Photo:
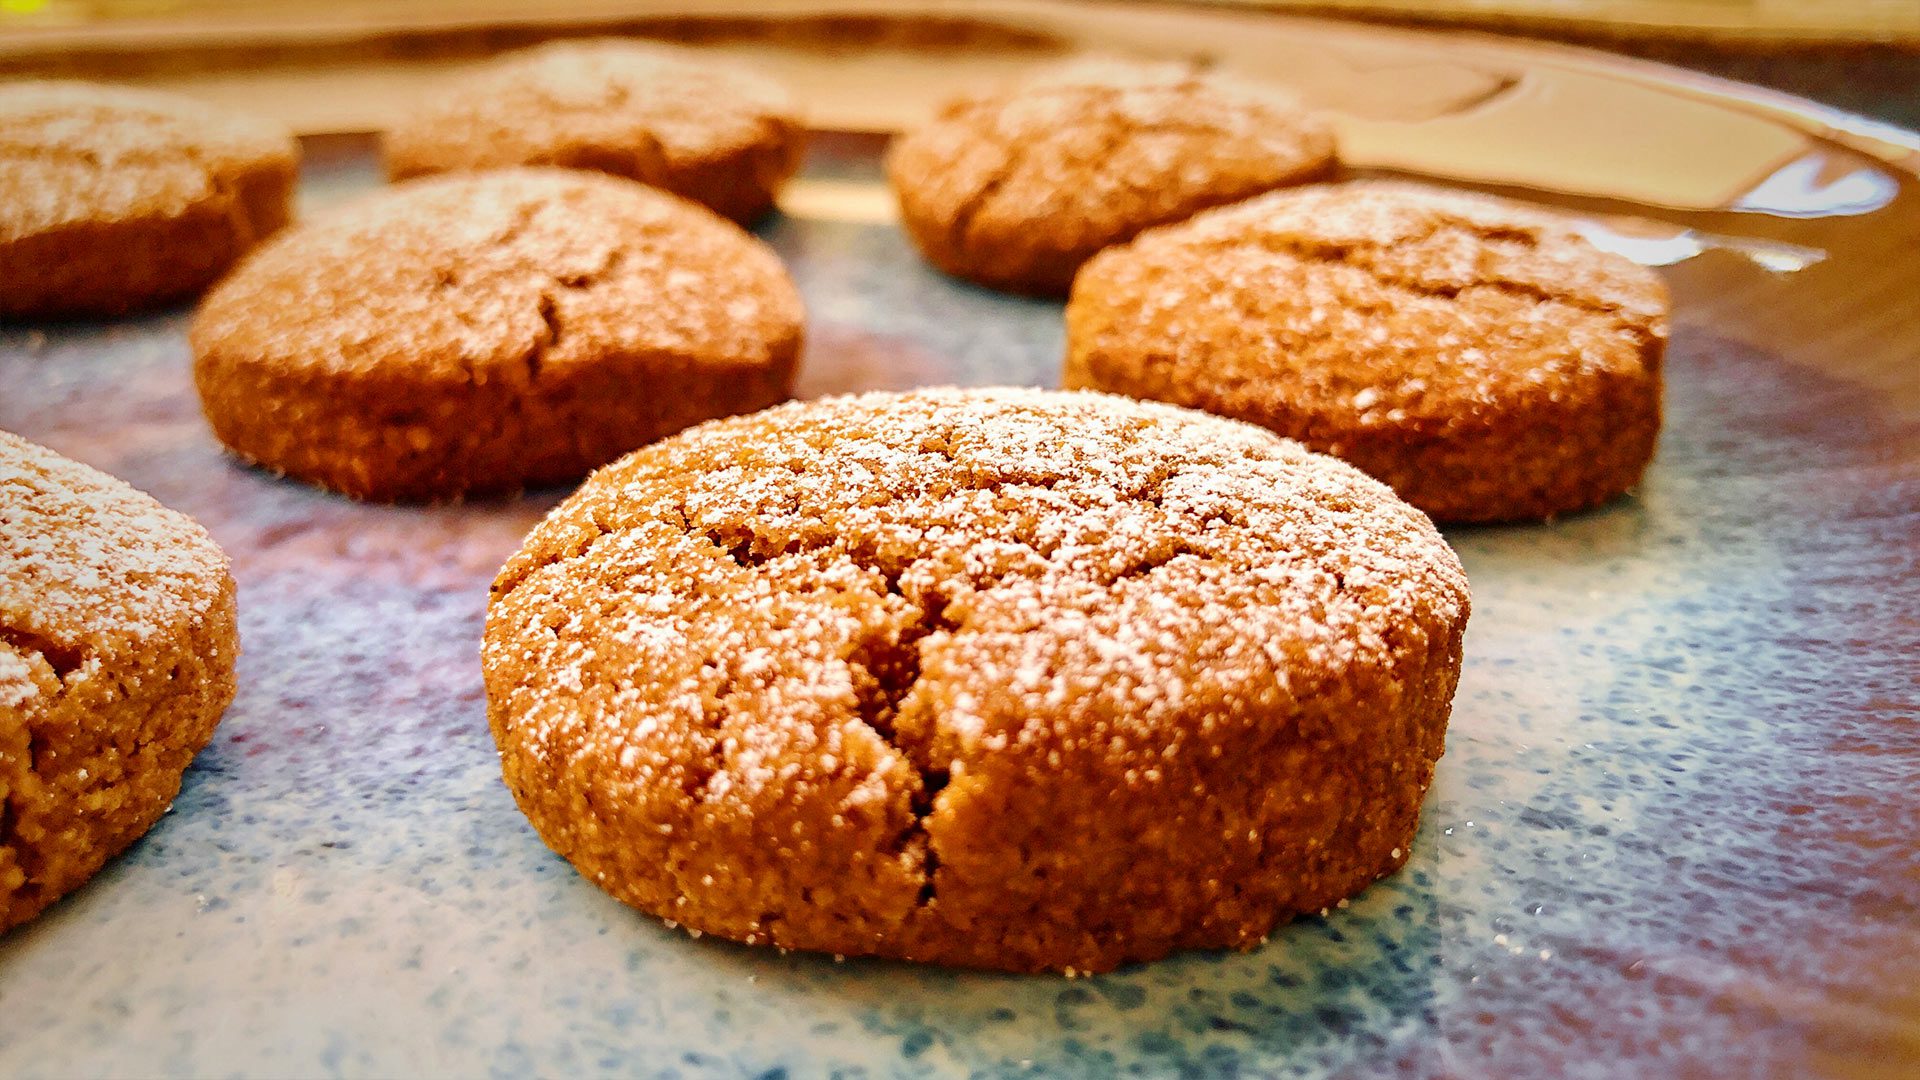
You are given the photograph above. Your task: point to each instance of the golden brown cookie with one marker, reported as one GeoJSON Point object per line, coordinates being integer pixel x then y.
{"type": "Point", "coordinates": [715, 134]}
{"type": "Point", "coordinates": [486, 332]}
{"type": "Point", "coordinates": [1482, 358]}
{"type": "Point", "coordinates": [114, 199]}
{"type": "Point", "coordinates": [1016, 187]}
{"type": "Point", "coordinates": [1010, 678]}
{"type": "Point", "coordinates": [117, 645]}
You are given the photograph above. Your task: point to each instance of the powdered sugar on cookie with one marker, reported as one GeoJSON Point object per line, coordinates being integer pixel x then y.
{"type": "Point", "coordinates": [865, 616]}
{"type": "Point", "coordinates": [89, 566]}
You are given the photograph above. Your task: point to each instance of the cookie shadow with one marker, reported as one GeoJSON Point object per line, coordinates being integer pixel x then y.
{"type": "Point", "coordinates": [1354, 987]}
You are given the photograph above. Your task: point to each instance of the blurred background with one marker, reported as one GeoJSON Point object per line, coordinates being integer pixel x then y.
{"type": "Point", "coordinates": [1859, 55]}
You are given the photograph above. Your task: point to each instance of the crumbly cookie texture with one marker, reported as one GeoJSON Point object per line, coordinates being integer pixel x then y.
{"type": "Point", "coordinates": [1009, 679]}
{"type": "Point", "coordinates": [1015, 187]}
{"type": "Point", "coordinates": [1483, 359]}
{"type": "Point", "coordinates": [719, 135]}
{"type": "Point", "coordinates": [117, 649]}
{"type": "Point", "coordinates": [484, 332]}
{"type": "Point", "coordinates": [115, 200]}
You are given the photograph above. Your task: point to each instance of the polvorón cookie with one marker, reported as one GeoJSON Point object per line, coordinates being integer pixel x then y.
{"type": "Point", "coordinates": [117, 649]}
{"type": "Point", "coordinates": [489, 331]}
{"type": "Point", "coordinates": [1480, 357]}
{"type": "Point", "coordinates": [1010, 679]}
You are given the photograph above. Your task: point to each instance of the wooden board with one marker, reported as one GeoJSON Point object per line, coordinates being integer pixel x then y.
{"type": "Point", "coordinates": [1727, 22]}
{"type": "Point", "coordinates": [1481, 108]}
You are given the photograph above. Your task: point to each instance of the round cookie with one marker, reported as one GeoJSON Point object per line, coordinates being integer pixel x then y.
{"type": "Point", "coordinates": [723, 137]}
{"type": "Point", "coordinates": [1010, 679]}
{"type": "Point", "coordinates": [1482, 358]}
{"type": "Point", "coordinates": [1016, 187]}
{"type": "Point", "coordinates": [117, 646]}
{"type": "Point", "coordinates": [491, 331]}
{"type": "Point", "coordinates": [115, 200]}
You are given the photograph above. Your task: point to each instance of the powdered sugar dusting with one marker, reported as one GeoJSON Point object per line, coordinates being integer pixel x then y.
{"type": "Point", "coordinates": [497, 276]}
{"type": "Point", "coordinates": [857, 590]}
{"type": "Point", "coordinates": [1362, 299]}
{"type": "Point", "coordinates": [17, 684]}
{"type": "Point", "coordinates": [72, 152]}
{"type": "Point", "coordinates": [1048, 170]}
{"type": "Point", "coordinates": [1437, 241]}
{"type": "Point", "coordinates": [1378, 303]}
{"type": "Point", "coordinates": [89, 568]}
{"type": "Point", "coordinates": [1478, 355]}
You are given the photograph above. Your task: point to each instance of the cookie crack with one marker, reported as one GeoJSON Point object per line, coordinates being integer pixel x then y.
{"type": "Point", "coordinates": [13, 807]}
{"type": "Point", "coordinates": [548, 307]}
{"type": "Point", "coordinates": [885, 661]}
{"type": "Point", "coordinates": [1363, 257]}
{"type": "Point", "coordinates": [518, 224]}
{"type": "Point", "coordinates": [891, 664]}
{"type": "Point", "coordinates": [226, 191]}
{"type": "Point", "coordinates": [8, 813]}
{"type": "Point", "coordinates": [745, 548]}
{"type": "Point", "coordinates": [63, 659]}
{"type": "Point", "coordinates": [1181, 92]}
{"type": "Point", "coordinates": [548, 337]}
{"type": "Point", "coordinates": [1119, 128]}
{"type": "Point", "coordinates": [886, 668]}
{"type": "Point", "coordinates": [1019, 155]}
{"type": "Point", "coordinates": [1149, 562]}
{"type": "Point", "coordinates": [960, 230]}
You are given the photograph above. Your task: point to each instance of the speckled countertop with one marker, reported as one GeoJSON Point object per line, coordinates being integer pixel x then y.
{"type": "Point", "coordinates": [1674, 831]}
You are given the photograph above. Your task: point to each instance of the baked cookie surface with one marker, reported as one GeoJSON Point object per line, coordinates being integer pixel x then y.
{"type": "Point", "coordinates": [1482, 358]}
{"type": "Point", "coordinates": [709, 132]}
{"type": "Point", "coordinates": [485, 332]}
{"type": "Point", "coordinates": [1015, 187]}
{"type": "Point", "coordinates": [115, 199]}
{"type": "Point", "coordinates": [117, 649]}
{"type": "Point", "coordinates": [1007, 679]}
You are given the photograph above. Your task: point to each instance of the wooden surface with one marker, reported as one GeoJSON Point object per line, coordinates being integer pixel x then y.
{"type": "Point", "coordinates": [1484, 109]}
{"type": "Point", "coordinates": [1757, 23]}
{"type": "Point", "coordinates": [1754, 22]}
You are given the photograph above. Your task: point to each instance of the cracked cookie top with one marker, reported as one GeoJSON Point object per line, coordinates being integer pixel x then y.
{"type": "Point", "coordinates": [664, 116]}
{"type": "Point", "coordinates": [1040, 174]}
{"type": "Point", "coordinates": [501, 276]}
{"type": "Point", "coordinates": [73, 153]}
{"type": "Point", "coordinates": [1372, 304]}
{"type": "Point", "coordinates": [92, 572]}
{"type": "Point", "coordinates": [793, 661]}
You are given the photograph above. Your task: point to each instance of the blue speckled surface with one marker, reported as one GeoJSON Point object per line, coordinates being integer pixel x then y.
{"type": "Point", "coordinates": [1674, 832]}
